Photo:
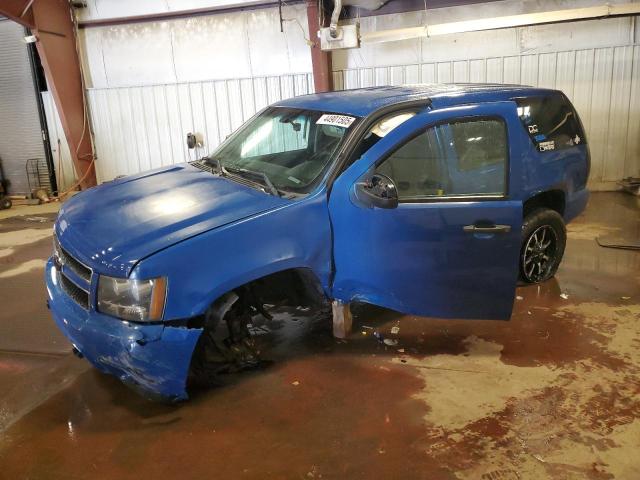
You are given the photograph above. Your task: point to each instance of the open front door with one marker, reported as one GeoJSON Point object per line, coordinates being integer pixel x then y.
{"type": "Point", "coordinates": [450, 246]}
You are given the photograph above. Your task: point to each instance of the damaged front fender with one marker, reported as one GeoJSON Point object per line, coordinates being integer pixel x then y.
{"type": "Point", "coordinates": [152, 358]}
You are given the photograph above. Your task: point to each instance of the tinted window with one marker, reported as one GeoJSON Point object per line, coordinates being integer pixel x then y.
{"type": "Point", "coordinates": [479, 144]}
{"type": "Point", "coordinates": [551, 122]}
{"type": "Point", "coordinates": [460, 158]}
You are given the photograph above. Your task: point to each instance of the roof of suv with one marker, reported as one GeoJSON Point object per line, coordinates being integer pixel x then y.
{"type": "Point", "coordinates": [363, 101]}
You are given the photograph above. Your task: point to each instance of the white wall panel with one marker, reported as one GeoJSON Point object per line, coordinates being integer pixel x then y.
{"type": "Point", "coordinates": [603, 84]}
{"type": "Point", "coordinates": [595, 62]}
{"type": "Point", "coordinates": [144, 127]}
{"type": "Point", "coordinates": [631, 163]}
{"type": "Point", "coordinates": [210, 47]}
{"type": "Point", "coordinates": [615, 147]}
{"type": "Point", "coordinates": [101, 9]}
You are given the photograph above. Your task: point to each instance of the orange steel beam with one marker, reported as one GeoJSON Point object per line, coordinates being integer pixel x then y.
{"type": "Point", "coordinates": [320, 61]}
{"type": "Point", "coordinates": [18, 11]}
{"type": "Point", "coordinates": [52, 23]}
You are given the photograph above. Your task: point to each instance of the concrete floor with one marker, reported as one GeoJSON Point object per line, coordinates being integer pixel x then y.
{"type": "Point", "coordinates": [552, 394]}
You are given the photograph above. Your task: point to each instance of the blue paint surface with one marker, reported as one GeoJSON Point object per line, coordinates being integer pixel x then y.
{"type": "Point", "coordinates": [152, 358]}
{"type": "Point", "coordinates": [209, 235]}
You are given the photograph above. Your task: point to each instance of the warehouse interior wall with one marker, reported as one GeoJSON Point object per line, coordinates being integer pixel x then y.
{"type": "Point", "coordinates": [595, 62]}
{"type": "Point", "coordinates": [151, 83]}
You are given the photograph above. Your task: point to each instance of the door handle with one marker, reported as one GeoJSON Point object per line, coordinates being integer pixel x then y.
{"type": "Point", "coordinates": [487, 229]}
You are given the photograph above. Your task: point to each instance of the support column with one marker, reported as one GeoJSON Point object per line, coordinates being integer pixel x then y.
{"type": "Point", "coordinates": [51, 22]}
{"type": "Point", "coordinates": [321, 61]}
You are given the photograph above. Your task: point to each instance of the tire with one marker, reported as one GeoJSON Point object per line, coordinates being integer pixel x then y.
{"type": "Point", "coordinates": [544, 238]}
{"type": "Point", "coordinates": [5, 203]}
{"type": "Point", "coordinates": [225, 346]}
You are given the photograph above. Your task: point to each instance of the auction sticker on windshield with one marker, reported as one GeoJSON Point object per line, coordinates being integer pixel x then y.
{"type": "Point", "coordinates": [335, 120]}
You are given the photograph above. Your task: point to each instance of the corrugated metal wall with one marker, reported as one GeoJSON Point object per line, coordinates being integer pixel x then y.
{"type": "Point", "coordinates": [153, 82]}
{"type": "Point", "coordinates": [139, 128]}
{"type": "Point", "coordinates": [595, 62]}
{"type": "Point", "coordinates": [20, 133]}
{"type": "Point", "coordinates": [603, 84]}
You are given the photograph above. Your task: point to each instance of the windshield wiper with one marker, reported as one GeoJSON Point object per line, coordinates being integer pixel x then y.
{"type": "Point", "coordinates": [260, 176]}
{"type": "Point", "coordinates": [214, 162]}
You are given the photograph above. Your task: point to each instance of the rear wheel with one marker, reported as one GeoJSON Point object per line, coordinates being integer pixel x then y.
{"type": "Point", "coordinates": [543, 241]}
{"type": "Point", "coordinates": [225, 346]}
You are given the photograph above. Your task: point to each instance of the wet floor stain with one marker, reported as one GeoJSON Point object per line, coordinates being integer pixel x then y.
{"type": "Point", "coordinates": [552, 394]}
{"type": "Point", "coordinates": [26, 267]}
{"type": "Point", "coordinates": [25, 324]}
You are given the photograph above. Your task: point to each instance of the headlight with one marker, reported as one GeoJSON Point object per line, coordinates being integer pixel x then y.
{"type": "Point", "coordinates": [130, 299]}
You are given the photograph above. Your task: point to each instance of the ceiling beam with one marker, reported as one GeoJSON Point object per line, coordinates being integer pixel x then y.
{"type": "Point", "coordinates": [18, 11]}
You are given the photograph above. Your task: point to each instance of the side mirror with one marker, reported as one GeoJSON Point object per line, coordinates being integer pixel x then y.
{"type": "Point", "coordinates": [378, 191]}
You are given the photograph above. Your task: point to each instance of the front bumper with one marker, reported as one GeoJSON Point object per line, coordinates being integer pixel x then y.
{"type": "Point", "coordinates": [153, 359]}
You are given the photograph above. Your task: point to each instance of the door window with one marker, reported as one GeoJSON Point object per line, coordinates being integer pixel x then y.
{"type": "Point", "coordinates": [465, 157]}
{"type": "Point", "coordinates": [551, 122]}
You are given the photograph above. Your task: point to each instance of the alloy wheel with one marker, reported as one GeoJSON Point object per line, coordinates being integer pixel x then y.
{"type": "Point", "coordinates": [539, 254]}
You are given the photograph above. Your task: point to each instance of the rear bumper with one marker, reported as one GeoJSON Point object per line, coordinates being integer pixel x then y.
{"type": "Point", "coordinates": [153, 359]}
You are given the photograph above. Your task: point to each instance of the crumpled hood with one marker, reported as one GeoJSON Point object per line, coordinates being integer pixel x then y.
{"type": "Point", "coordinates": [113, 226]}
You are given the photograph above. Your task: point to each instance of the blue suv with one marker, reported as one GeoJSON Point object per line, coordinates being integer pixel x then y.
{"type": "Point", "coordinates": [432, 200]}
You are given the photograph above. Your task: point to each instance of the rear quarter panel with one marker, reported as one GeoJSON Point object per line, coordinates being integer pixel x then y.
{"type": "Point", "coordinates": [566, 170]}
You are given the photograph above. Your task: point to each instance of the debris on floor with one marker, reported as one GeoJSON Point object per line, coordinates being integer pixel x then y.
{"type": "Point", "coordinates": [623, 243]}
{"type": "Point", "coordinates": [631, 185]}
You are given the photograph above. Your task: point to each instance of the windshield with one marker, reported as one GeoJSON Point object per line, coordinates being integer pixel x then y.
{"type": "Point", "coordinates": [286, 147]}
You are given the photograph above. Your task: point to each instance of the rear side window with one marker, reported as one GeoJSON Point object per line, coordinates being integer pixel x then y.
{"type": "Point", "coordinates": [479, 143]}
{"type": "Point", "coordinates": [551, 122]}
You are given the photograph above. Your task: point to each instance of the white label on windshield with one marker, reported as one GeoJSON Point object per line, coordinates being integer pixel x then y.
{"type": "Point", "coordinates": [335, 120]}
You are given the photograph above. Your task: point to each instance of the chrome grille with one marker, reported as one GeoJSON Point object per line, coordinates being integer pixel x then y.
{"type": "Point", "coordinates": [65, 259]}
{"type": "Point", "coordinates": [77, 294]}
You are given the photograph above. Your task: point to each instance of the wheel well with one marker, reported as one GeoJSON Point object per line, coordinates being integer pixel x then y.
{"type": "Point", "coordinates": [292, 287]}
{"type": "Point", "coordinates": [552, 199]}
